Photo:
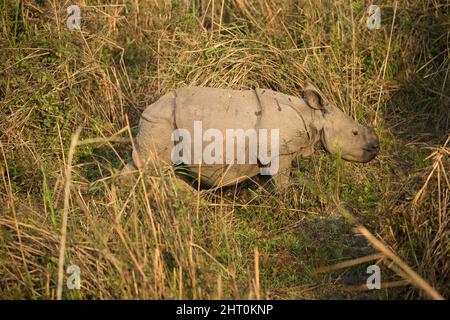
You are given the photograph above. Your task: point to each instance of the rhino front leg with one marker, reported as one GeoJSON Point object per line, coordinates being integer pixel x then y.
{"type": "Point", "coordinates": [281, 178]}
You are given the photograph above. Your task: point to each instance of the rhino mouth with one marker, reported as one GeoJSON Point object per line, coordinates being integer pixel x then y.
{"type": "Point", "coordinates": [366, 155]}
{"type": "Point", "coordinates": [372, 150]}
{"type": "Point", "coordinates": [370, 153]}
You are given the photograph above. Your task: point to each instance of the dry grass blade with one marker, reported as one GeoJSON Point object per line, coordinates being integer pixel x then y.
{"type": "Point", "coordinates": [212, 258]}
{"type": "Point", "coordinates": [256, 282]}
{"type": "Point", "coordinates": [384, 285]}
{"type": "Point", "coordinates": [414, 278]}
{"type": "Point", "coordinates": [385, 63]}
{"type": "Point", "coordinates": [350, 263]}
{"type": "Point", "coordinates": [62, 245]}
{"type": "Point", "coordinates": [438, 155]}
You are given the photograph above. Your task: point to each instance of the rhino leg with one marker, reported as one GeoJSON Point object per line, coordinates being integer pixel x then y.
{"type": "Point", "coordinates": [281, 178]}
{"type": "Point", "coordinates": [155, 130]}
{"type": "Point", "coordinates": [153, 138]}
{"type": "Point", "coordinates": [128, 173]}
{"type": "Point", "coordinates": [153, 143]}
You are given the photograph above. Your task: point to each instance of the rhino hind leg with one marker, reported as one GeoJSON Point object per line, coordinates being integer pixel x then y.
{"type": "Point", "coordinates": [154, 137]}
{"type": "Point", "coordinates": [128, 173]}
{"type": "Point", "coordinates": [153, 144]}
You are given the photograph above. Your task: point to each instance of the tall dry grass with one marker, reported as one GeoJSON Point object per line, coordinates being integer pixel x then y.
{"type": "Point", "coordinates": [157, 239]}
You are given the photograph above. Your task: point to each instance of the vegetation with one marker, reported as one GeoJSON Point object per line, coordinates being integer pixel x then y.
{"type": "Point", "coordinates": [159, 239]}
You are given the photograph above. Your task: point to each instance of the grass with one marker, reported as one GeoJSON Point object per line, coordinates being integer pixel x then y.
{"type": "Point", "coordinates": [158, 239]}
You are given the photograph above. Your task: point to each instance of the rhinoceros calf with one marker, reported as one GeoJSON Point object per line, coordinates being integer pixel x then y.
{"type": "Point", "coordinates": [181, 125]}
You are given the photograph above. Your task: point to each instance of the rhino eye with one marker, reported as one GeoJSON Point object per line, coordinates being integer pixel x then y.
{"type": "Point", "coordinates": [355, 132]}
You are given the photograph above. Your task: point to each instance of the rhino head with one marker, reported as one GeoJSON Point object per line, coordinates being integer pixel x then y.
{"type": "Point", "coordinates": [340, 134]}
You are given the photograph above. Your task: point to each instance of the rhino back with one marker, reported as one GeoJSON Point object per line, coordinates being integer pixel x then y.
{"type": "Point", "coordinates": [216, 108]}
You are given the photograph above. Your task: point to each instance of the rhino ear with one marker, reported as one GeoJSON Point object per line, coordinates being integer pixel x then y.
{"type": "Point", "coordinates": [313, 97]}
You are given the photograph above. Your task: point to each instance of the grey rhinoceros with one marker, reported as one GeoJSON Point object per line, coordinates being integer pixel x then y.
{"type": "Point", "coordinates": [201, 127]}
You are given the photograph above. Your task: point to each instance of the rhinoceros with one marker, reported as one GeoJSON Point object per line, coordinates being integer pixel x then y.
{"type": "Point", "coordinates": [200, 127]}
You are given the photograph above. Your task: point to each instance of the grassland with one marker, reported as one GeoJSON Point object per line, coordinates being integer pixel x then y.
{"type": "Point", "coordinates": [158, 239]}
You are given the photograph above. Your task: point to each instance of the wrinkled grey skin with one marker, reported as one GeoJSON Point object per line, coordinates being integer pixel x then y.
{"type": "Point", "coordinates": [302, 122]}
